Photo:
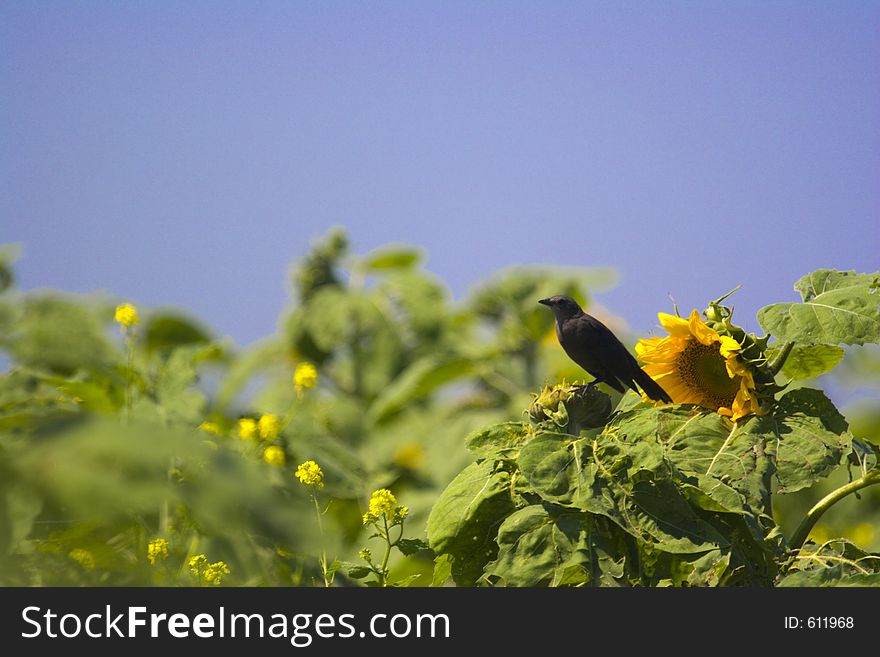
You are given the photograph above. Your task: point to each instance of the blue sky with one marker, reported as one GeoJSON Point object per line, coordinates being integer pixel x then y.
{"type": "Point", "coordinates": [184, 153]}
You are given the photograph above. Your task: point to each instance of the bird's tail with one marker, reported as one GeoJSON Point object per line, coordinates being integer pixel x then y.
{"type": "Point", "coordinates": [651, 387]}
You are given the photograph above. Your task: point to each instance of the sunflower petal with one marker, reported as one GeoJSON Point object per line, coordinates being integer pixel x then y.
{"type": "Point", "coordinates": [675, 325]}
{"type": "Point", "coordinates": [700, 331]}
{"type": "Point", "coordinates": [729, 346]}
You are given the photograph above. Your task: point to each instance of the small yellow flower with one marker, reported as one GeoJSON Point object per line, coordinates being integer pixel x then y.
{"type": "Point", "coordinates": [305, 377]}
{"type": "Point", "coordinates": [197, 564]}
{"type": "Point", "coordinates": [365, 554]}
{"type": "Point", "coordinates": [248, 429]}
{"type": "Point", "coordinates": [382, 502]}
{"type": "Point", "coordinates": [269, 426]}
{"type": "Point", "coordinates": [310, 474]}
{"type": "Point", "coordinates": [215, 572]}
{"type": "Point", "coordinates": [210, 573]}
{"type": "Point", "coordinates": [157, 550]}
{"type": "Point", "coordinates": [83, 557]}
{"type": "Point", "coordinates": [210, 427]}
{"type": "Point", "coordinates": [126, 315]}
{"type": "Point", "coordinates": [273, 455]}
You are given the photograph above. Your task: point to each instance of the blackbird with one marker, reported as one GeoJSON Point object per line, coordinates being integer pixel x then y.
{"type": "Point", "coordinates": [592, 345]}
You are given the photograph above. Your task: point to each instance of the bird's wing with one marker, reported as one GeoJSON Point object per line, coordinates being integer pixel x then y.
{"type": "Point", "coordinates": [612, 353]}
{"type": "Point", "coordinates": [585, 344]}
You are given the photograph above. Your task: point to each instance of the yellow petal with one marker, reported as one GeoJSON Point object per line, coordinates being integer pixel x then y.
{"type": "Point", "coordinates": [745, 404]}
{"type": "Point", "coordinates": [729, 346]}
{"type": "Point", "coordinates": [675, 325]}
{"type": "Point", "coordinates": [734, 367]}
{"type": "Point", "coordinates": [647, 345]}
{"type": "Point", "coordinates": [700, 331]}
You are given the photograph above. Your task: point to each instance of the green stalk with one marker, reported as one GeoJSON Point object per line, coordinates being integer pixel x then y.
{"type": "Point", "coordinates": [776, 364]}
{"type": "Point", "coordinates": [384, 569]}
{"type": "Point", "coordinates": [800, 535]}
{"type": "Point", "coordinates": [324, 574]}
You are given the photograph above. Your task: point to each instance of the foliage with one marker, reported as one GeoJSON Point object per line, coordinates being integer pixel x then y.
{"type": "Point", "coordinates": [145, 451]}
{"type": "Point", "coordinates": [673, 495]}
{"type": "Point", "coordinates": [114, 436]}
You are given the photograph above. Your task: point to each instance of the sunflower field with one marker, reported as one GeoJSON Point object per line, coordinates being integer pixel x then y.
{"type": "Point", "coordinates": [387, 435]}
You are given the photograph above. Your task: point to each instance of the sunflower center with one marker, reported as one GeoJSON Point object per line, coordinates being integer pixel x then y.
{"type": "Point", "coordinates": [702, 369]}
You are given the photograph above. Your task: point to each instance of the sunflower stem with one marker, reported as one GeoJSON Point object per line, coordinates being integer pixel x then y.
{"type": "Point", "coordinates": [779, 360]}
{"type": "Point", "coordinates": [803, 531]}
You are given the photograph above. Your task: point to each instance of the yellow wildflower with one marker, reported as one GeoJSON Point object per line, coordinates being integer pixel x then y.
{"type": "Point", "coordinates": [157, 549]}
{"type": "Point", "coordinates": [215, 572]}
{"type": "Point", "coordinates": [197, 564]}
{"type": "Point", "coordinates": [248, 429]}
{"type": "Point", "coordinates": [209, 573]}
{"type": "Point", "coordinates": [696, 365]}
{"type": "Point", "coordinates": [126, 315]}
{"type": "Point", "coordinates": [382, 503]}
{"type": "Point", "coordinates": [269, 426]}
{"type": "Point", "coordinates": [210, 427]}
{"type": "Point", "coordinates": [83, 557]}
{"type": "Point", "coordinates": [273, 455]}
{"type": "Point", "coordinates": [305, 377]}
{"type": "Point", "coordinates": [310, 474]}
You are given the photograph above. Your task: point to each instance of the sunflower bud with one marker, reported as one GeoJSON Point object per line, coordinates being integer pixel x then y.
{"type": "Point", "coordinates": [571, 407]}
{"type": "Point", "coordinates": [714, 313]}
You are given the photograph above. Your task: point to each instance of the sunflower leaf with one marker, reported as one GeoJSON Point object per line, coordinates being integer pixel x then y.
{"type": "Point", "coordinates": [811, 360]}
{"type": "Point", "coordinates": [543, 546]}
{"type": "Point", "coordinates": [465, 519]}
{"type": "Point", "coordinates": [838, 308]}
{"type": "Point", "coordinates": [807, 437]}
{"type": "Point", "coordinates": [630, 483]}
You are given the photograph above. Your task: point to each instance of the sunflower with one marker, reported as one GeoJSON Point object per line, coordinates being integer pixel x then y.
{"type": "Point", "coordinates": [697, 365]}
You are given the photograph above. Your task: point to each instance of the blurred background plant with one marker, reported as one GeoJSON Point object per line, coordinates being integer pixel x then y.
{"type": "Point", "coordinates": [138, 448]}
{"type": "Point", "coordinates": [127, 428]}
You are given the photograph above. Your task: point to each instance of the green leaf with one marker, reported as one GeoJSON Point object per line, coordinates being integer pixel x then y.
{"type": "Point", "coordinates": [465, 519]}
{"type": "Point", "coordinates": [834, 576]}
{"type": "Point", "coordinates": [409, 546]}
{"type": "Point", "coordinates": [810, 360]}
{"type": "Point", "coordinates": [406, 581]}
{"type": "Point", "coordinates": [699, 442]}
{"type": "Point", "coordinates": [391, 257]}
{"type": "Point", "coordinates": [442, 570]}
{"type": "Point", "coordinates": [59, 334]}
{"type": "Point", "coordinates": [800, 442]}
{"type": "Point", "coordinates": [358, 572]}
{"type": "Point", "coordinates": [838, 308]}
{"type": "Point", "coordinates": [540, 548]}
{"type": "Point", "coordinates": [807, 437]}
{"type": "Point", "coordinates": [163, 331]}
{"type": "Point", "coordinates": [503, 440]}
{"type": "Point", "coordinates": [629, 483]}
{"type": "Point", "coordinates": [834, 563]}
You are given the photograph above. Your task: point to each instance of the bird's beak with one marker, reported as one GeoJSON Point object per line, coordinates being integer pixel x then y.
{"type": "Point", "coordinates": [546, 302]}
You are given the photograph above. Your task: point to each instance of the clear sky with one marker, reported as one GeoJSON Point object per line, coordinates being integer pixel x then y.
{"type": "Point", "coordinates": [183, 153]}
